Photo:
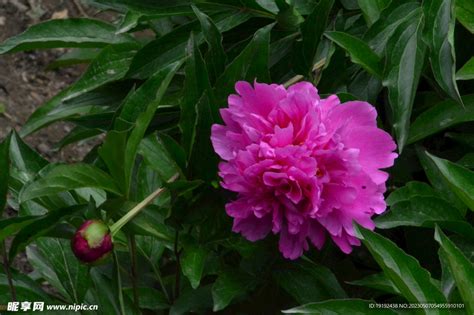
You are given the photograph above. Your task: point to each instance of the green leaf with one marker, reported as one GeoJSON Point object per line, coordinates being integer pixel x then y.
{"type": "Point", "coordinates": [65, 33]}
{"type": "Point", "coordinates": [40, 226]}
{"type": "Point", "coordinates": [75, 135]}
{"type": "Point", "coordinates": [10, 226]}
{"type": "Point", "coordinates": [5, 171]}
{"type": "Point", "coordinates": [438, 181]}
{"type": "Point", "coordinates": [413, 281]}
{"type": "Point", "coordinates": [215, 56]}
{"type": "Point", "coordinates": [69, 177]}
{"type": "Point", "coordinates": [228, 286]}
{"type": "Point", "coordinates": [308, 282]}
{"type": "Point", "coordinates": [312, 30]}
{"type": "Point", "coordinates": [405, 56]}
{"type": "Point", "coordinates": [460, 179]}
{"type": "Point", "coordinates": [467, 71]}
{"type": "Point", "coordinates": [251, 64]}
{"type": "Point", "coordinates": [196, 83]}
{"type": "Point", "coordinates": [112, 153]}
{"type": "Point", "coordinates": [158, 158]}
{"type": "Point", "coordinates": [54, 260]}
{"type": "Point", "coordinates": [107, 294]}
{"type": "Point", "coordinates": [346, 306]}
{"type": "Point", "coordinates": [461, 268]}
{"type": "Point", "coordinates": [149, 222]}
{"type": "Point", "coordinates": [465, 14]}
{"type": "Point", "coordinates": [143, 120]}
{"type": "Point", "coordinates": [94, 102]}
{"type": "Point", "coordinates": [425, 211]}
{"type": "Point", "coordinates": [203, 162]}
{"type": "Point", "coordinates": [192, 263]}
{"type": "Point", "coordinates": [390, 19]}
{"type": "Point", "coordinates": [111, 64]}
{"type": "Point", "coordinates": [439, 35]}
{"type": "Point", "coordinates": [378, 281]}
{"type": "Point", "coordinates": [74, 57]}
{"type": "Point", "coordinates": [372, 9]}
{"type": "Point", "coordinates": [192, 301]}
{"type": "Point", "coordinates": [150, 298]}
{"type": "Point", "coordinates": [441, 116]}
{"type": "Point", "coordinates": [129, 21]}
{"type": "Point", "coordinates": [172, 46]}
{"type": "Point", "coordinates": [359, 51]}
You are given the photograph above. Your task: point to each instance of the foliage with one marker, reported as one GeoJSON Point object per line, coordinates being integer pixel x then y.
{"type": "Point", "coordinates": [152, 98]}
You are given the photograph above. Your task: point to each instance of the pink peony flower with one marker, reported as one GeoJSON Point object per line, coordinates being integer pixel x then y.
{"type": "Point", "coordinates": [302, 166]}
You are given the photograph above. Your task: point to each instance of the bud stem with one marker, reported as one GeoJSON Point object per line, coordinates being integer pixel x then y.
{"type": "Point", "coordinates": [133, 212]}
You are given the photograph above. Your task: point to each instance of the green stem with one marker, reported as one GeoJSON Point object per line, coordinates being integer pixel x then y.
{"type": "Point", "coordinates": [8, 272]}
{"type": "Point", "coordinates": [139, 207]}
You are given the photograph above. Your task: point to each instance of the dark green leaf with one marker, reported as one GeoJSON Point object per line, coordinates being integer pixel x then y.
{"type": "Point", "coordinates": [378, 281]}
{"type": "Point", "coordinates": [465, 13]}
{"type": "Point", "coordinates": [10, 226]}
{"type": "Point", "coordinates": [251, 64]}
{"type": "Point", "coordinates": [65, 33]}
{"type": "Point", "coordinates": [69, 177]}
{"type": "Point", "coordinates": [150, 298]}
{"type": "Point", "coordinates": [54, 259]}
{"type": "Point", "coordinates": [440, 117]}
{"type": "Point", "coordinates": [40, 226]}
{"type": "Point", "coordinates": [461, 268]}
{"type": "Point", "coordinates": [308, 282]}
{"type": "Point", "coordinates": [5, 172]}
{"type": "Point", "coordinates": [413, 282]}
{"type": "Point", "coordinates": [107, 295]}
{"type": "Point", "coordinates": [192, 301]}
{"type": "Point", "coordinates": [196, 83]}
{"type": "Point", "coordinates": [439, 35]}
{"type": "Point", "coordinates": [438, 181]}
{"type": "Point", "coordinates": [172, 46]}
{"type": "Point", "coordinates": [372, 9]}
{"type": "Point", "coordinates": [216, 56]}
{"type": "Point", "coordinates": [203, 161]}
{"type": "Point", "coordinates": [112, 153]}
{"type": "Point", "coordinates": [460, 179]}
{"type": "Point", "coordinates": [192, 263]}
{"type": "Point", "coordinates": [312, 30]}
{"type": "Point", "coordinates": [57, 109]}
{"type": "Point", "coordinates": [228, 286]}
{"type": "Point", "coordinates": [359, 52]}
{"type": "Point", "coordinates": [129, 21]}
{"type": "Point", "coordinates": [405, 55]}
{"type": "Point", "coordinates": [74, 57]}
{"type": "Point", "coordinates": [77, 134]}
{"type": "Point", "coordinates": [425, 211]}
{"type": "Point", "coordinates": [391, 18]}
{"type": "Point", "coordinates": [467, 71]}
{"type": "Point", "coordinates": [110, 65]}
{"type": "Point", "coordinates": [347, 306]}
{"type": "Point", "coordinates": [158, 158]}
{"type": "Point", "coordinates": [144, 118]}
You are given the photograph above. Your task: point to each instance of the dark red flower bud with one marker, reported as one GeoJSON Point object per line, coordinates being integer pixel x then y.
{"type": "Point", "coordinates": [92, 243]}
